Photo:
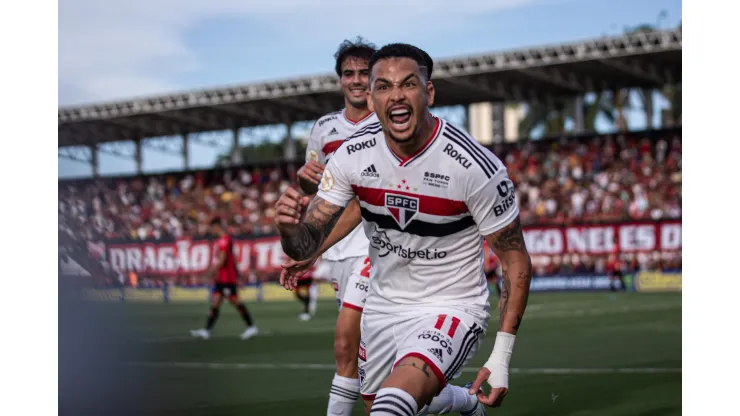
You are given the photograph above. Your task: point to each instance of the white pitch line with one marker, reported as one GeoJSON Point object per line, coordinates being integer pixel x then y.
{"type": "Point", "coordinates": [326, 367]}
{"type": "Point", "coordinates": [533, 315]}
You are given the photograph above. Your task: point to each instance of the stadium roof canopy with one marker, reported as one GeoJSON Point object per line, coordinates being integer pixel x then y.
{"type": "Point", "coordinates": [645, 59]}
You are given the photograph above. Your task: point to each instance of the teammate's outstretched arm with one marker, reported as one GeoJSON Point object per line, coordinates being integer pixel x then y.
{"type": "Point", "coordinates": [301, 236]}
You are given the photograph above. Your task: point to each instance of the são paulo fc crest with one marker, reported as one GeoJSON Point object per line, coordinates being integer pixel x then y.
{"type": "Point", "coordinates": [402, 208]}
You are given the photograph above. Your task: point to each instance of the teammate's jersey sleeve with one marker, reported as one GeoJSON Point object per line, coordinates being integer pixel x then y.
{"type": "Point", "coordinates": [313, 147]}
{"type": "Point", "coordinates": [492, 201]}
{"type": "Point", "coordinates": [336, 185]}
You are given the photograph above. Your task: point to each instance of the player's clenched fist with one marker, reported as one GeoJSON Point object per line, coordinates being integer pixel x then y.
{"type": "Point", "coordinates": [290, 208]}
{"type": "Point", "coordinates": [311, 172]}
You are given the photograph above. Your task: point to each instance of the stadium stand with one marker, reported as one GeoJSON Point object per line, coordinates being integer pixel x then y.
{"type": "Point", "coordinates": [602, 179]}
{"type": "Point", "coordinates": [629, 183]}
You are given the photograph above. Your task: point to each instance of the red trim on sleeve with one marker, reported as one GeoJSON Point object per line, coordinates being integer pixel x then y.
{"type": "Point", "coordinates": [351, 306]}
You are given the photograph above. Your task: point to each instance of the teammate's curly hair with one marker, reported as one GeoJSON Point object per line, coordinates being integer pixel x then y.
{"type": "Point", "coordinates": [360, 48]}
{"type": "Point", "coordinates": [404, 50]}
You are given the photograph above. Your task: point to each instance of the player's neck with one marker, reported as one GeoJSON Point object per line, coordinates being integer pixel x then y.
{"type": "Point", "coordinates": [355, 114]}
{"type": "Point", "coordinates": [409, 148]}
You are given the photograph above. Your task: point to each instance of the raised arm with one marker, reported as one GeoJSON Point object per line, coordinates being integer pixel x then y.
{"type": "Point", "coordinates": [301, 238]}
{"type": "Point", "coordinates": [349, 220]}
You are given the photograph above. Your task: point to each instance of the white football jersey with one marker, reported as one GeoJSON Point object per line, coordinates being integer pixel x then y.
{"type": "Point", "coordinates": [424, 215]}
{"type": "Point", "coordinates": [327, 134]}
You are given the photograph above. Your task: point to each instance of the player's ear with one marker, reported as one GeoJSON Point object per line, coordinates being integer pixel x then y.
{"type": "Point", "coordinates": [430, 94]}
{"type": "Point", "coordinates": [369, 98]}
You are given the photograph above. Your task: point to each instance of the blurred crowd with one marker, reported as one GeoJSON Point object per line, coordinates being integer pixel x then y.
{"type": "Point", "coordinates": [605, 179]}
{"type": "Point", "coordinates": [571, 264]}
{"type": "Point", "coordinates": [608, 178]}
{"type": "Point", "coordinates": [173, 205]}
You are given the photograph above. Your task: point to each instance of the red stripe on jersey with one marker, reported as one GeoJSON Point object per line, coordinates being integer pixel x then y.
{"type": "Point", "coordinates": [431, 205]}
{"type": "Point", "coordinates": [330, 147]}
{"type": "Point", "coordinates": [426, 145]}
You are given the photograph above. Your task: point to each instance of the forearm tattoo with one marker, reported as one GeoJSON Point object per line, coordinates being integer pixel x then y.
{"type": "Point", "coordinates": [509, 244]}
{"type": "Point", "coordinates": [320, 218]}
{"type": "Point", "coordinates": [509, 238]}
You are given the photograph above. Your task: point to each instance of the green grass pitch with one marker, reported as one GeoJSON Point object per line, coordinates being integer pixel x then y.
{"type": "Point", "coordinates": [577, 354]}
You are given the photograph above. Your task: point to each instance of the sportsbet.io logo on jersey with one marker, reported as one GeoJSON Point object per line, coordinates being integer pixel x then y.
{"type": "Point", "coordinates": [383, 244]}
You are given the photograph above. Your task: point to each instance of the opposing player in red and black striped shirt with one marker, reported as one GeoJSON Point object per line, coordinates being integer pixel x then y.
{"type": "Point", "coordinates": [226, 279]}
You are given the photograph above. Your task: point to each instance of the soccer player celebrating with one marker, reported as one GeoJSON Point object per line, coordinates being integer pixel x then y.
{"type": "Point", "coordinates": [225, 285]}
{"type": "Point", "coordinates": [434, 192]}
{"type": "Point", "coordinates": [346, 259]}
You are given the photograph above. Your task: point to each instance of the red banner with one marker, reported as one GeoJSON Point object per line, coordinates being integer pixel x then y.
{"type": "Point", "coordinates": [186, 256]}
{"type": "Point", "coordinates": [604, 238]}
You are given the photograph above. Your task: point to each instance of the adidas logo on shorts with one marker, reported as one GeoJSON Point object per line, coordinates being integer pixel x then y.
{"type": "Point", "coordinates": [437, 353]}
{"type": "Point", "coordinates": [370, 171]}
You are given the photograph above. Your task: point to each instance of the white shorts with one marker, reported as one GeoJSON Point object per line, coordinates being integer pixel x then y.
{"type": "Point", "coordinates": [350, 278]}
{"type": "Point", "coordinates": [445, 340]}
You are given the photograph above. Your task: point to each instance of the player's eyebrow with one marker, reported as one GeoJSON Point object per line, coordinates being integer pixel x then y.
{"type": "Point", "coordinates": [411, 75]}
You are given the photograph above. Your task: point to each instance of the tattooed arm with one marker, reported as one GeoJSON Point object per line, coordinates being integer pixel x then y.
{"type": "Point", "coordinates": [516, 267]}
{"type": "Point", "coordinates": [496, 212]}
{"type": "Point", "coordinates": [302, 238]}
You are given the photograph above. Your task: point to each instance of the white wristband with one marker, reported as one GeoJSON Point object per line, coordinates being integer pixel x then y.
{"type": "Point", "coordinates": [498, 362]}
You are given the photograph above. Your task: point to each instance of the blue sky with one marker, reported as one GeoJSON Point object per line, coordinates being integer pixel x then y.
{"type": "Point", "coordinates": [118, 50]}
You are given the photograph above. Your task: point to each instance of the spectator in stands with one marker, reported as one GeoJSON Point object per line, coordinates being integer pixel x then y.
{"type": "Point", "coordinates": [602, 179]}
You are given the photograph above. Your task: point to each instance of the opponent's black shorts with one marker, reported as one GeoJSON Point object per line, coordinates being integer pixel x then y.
{"type": "Point", "coordinates": [492, 276]}
{"type": "Point", "coordinates": [304, 282]}
{"type": "Point", "coordinates": [225, 289]}
{"type": "Point", "coordinates": [616, 274]}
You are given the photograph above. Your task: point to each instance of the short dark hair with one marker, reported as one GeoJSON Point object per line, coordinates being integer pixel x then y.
{"type": "Point", "coordinates": [404, 50]}
{"type": "Point", "coordinates": [357, 49]}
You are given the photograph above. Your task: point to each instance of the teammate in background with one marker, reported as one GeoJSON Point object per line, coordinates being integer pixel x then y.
{"type": "Point", "coordinates": [346, 259]}
{"type": "Point", "coordinates": [433, 192]}
{"type": "Point", "coordinates": [306, 291]}
{"type": "Point", "coordinates": [226, 279]}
